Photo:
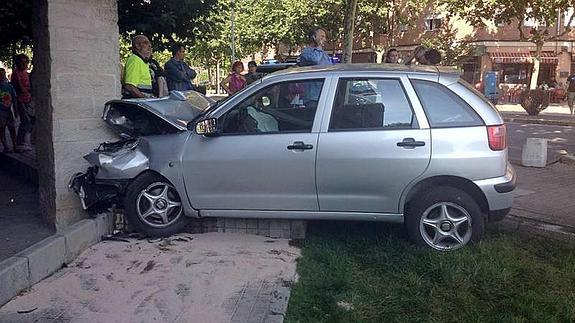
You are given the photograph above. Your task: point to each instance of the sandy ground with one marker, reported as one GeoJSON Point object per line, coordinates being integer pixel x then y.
{"type": "Point", "coordinates": [208, 277]}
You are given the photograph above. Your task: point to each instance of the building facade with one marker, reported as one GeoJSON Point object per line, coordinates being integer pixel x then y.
{"type": "Point", "coordinates": [497, 48]}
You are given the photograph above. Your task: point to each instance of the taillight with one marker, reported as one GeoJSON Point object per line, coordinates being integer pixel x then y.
{"type": "Point", "coordinates": [497, 137]}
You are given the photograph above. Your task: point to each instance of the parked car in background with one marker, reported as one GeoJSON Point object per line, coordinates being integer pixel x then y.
{"type": "Point", "coordinates": [375, 142]}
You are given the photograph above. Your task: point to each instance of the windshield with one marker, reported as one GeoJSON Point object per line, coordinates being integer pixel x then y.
{"type": "Point", "coordinates": [198, 100]}
{"type": "Point", "coordinates": [218, 103]}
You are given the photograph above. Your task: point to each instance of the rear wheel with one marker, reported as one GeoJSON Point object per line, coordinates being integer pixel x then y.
{"type": "Point", "coordinates": [153, 206]}
{"type": "Point", "coordinates": [444, 219]}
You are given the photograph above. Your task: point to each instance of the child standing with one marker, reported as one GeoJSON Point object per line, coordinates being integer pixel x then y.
{"type": "Point", "coordinates": [7, 101]}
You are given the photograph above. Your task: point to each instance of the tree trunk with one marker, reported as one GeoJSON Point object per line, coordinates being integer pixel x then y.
{"type": "Point", "coordinates": [218, 76]}
{"type": "Point", "coordinates": [391, 22]}
{"type": "Point", "coordinates": [536, 66]}
{"type": "Point", "coordinates": [351, 6]}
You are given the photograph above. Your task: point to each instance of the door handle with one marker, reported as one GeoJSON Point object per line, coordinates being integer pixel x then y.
{"type": "Point", "coordinates": [299, 145]}
{"type": "Point", "coordinates": [410, 143]}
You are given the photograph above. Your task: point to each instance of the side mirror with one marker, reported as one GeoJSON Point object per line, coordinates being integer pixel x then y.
{"type": "Point", "coordinates": [207, 127]}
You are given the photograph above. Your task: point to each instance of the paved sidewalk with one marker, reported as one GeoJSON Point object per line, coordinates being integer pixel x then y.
{"type": "Point", "coordinates": [555, 114]}
{"type": "Point", "coordinates": [209, 277]}
{"type": "Point", "coordinates": [546, 194]}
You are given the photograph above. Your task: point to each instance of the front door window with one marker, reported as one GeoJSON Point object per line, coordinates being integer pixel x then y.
{"type": "Point", "coordinates": [279, 108]}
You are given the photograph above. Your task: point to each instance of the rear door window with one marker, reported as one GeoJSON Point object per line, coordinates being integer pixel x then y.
{"type": "Point", "coordinates": [371, 103]}
{"type": "Point", "coordinates": [444, 109]}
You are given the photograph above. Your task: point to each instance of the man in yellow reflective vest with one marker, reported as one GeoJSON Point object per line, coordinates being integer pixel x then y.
{"type": "Point", "coordinates": [137, 77]}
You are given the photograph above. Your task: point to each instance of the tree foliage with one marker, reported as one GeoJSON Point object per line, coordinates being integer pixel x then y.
{"type": "Point", "coordinates": [376, 17]}
{"type": "Point", "coordinates": [454, 51]}
{"type": "Point", "coordinates": [15, 27]}
{"type": "Point", "coordinates": [167, 21]}
{"type": "Point", "coordinates": [542, 14]}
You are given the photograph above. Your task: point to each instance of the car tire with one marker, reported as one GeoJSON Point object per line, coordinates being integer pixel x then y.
{"type": "Point", "coordinates": [153, 206]}
{"type": "Point", "coordinates": [446, 218]}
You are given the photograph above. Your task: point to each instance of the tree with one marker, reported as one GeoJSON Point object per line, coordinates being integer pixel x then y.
{"type": "Point", "coordinates": [378, 17]}
{"type": "Point", "coordinates": [454, 51]}
{"type": "Point", "coordinates": [542, 13]}
{"type": "Point", "coordinates": [15, 27]}
{"type": "Point", "coordinates": [349, 21]}
{"type": "Point", "coordinates": [166, 21]}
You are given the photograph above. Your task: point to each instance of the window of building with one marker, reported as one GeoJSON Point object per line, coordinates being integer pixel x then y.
{"type": "Point", "coordinates": [514, 73]}
{"type": "Point", "coordinates": [500, 22]}
{"type": "Point", "coordinates": [566, 16]}
{"type": "Point", "coordinates": [433, 22]}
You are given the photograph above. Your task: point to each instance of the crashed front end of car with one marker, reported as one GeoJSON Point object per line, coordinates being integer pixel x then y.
{"type": "Point", "coordinates": [114, 165]}
{"type": "Point", "coordinates": [143, 126]}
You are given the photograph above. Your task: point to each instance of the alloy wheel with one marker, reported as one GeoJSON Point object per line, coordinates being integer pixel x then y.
{"type": "Point", "coordinates": [159, 205]}
{"type": "Point", "coordinates": [445, 226]}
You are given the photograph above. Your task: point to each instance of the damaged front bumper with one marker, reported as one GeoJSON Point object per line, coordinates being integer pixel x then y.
{"type": "Point", "coordinates": [114, 165]}
{"type": "Point", "coordinates": [97, 195]}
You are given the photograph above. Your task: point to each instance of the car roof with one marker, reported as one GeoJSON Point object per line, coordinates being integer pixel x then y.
{"type": "Point", "coordinates": [444, 71]}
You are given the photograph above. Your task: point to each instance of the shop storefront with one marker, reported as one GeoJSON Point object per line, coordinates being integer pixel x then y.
{"type": "Point", "coordinates": [516, 68]}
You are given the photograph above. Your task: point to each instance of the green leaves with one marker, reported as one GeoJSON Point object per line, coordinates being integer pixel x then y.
{"type": "Point", "coordinates": [166, 21]}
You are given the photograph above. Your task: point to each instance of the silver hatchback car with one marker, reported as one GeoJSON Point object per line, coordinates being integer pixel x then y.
{"type": "Point", "coordinates": [413, 145]}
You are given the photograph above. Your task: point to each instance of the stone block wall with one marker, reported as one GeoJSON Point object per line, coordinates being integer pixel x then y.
{"type": "Point", "coordinates": [273, 228]}
{"type": "Point", "coordinates": [77, 67]}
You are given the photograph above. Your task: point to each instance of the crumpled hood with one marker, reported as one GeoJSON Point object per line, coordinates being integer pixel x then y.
{"type": "Point", "coordinates": [145, 117]}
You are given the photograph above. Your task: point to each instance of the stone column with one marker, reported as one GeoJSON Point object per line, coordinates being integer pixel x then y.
{"type": "Point", "coordinates": [76, 70]}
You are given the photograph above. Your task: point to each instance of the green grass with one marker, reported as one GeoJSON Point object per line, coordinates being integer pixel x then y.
{"type": "Point", "coordinates": [509, 277]}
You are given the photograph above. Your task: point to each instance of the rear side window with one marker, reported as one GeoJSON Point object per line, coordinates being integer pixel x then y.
{"type": "Point", "coordinates": [444, 109]}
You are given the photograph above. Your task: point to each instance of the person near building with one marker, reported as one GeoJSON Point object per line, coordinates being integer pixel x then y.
{"type": "Point", "coordinates": [425, 56]}
{"type": "Point", "coordinates": [392, 56]}
{"type": "Point", "coordinates": [179, 75]}
{"type": "Point", "coordinates": [571, 92]}
{"type": "Point", "coordinates": [313, 53]}
{"type": "Point", "coordinates": [137, 76]}
{"type": "Point", "coordinates": [159, 83]}
{"type": "Point", "coordinates": [252, 75]}
{"type": "Point", "coordinates": [7, 102]}
{"type": "Point", "coordinates": [21, 82]}
{"type": "Point", "coordinates": [235, 81]}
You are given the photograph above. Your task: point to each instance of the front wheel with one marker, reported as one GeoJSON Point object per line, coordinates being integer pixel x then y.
{"type": "Point", "coordinates": [445, 219]}
{"type": "Point", "coordinates": [153, 206]}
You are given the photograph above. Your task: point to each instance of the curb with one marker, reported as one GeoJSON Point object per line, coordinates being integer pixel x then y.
{"type": "Point", "coordinates": [42, 259]}
{"type": "Point", "coordinates": [539, 121]}
{"type": "Point", "coordinates": [541, 228]}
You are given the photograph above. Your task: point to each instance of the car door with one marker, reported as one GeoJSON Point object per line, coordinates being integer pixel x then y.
{"type": "Point", "coordinates": [375, 143]}
{"type": "Point", "coordinates": [264, 155]}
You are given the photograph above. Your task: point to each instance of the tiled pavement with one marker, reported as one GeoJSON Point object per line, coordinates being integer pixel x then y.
{"type": "Point", "coordinates": [546, 194]}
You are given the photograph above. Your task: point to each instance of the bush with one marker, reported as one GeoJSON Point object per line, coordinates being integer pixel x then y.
{"type": "Point", "coordinates": [534, 101]}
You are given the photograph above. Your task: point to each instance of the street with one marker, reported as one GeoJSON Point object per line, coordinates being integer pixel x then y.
{"type": "Point", "coordinates": [561, 138]}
